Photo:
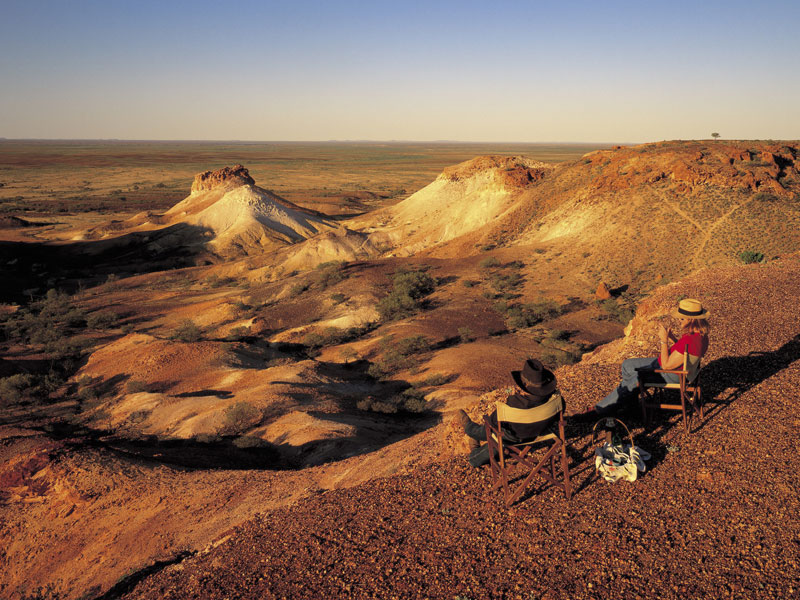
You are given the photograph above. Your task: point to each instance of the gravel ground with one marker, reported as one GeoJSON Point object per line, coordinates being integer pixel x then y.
{"type": "Point", "coordinates": [717, 514]}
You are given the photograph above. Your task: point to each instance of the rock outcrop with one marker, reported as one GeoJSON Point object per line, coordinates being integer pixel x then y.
{"type": "Point", "coordinates": [229, 176]}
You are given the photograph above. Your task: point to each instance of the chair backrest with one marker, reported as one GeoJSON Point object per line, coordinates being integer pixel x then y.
{"type": "Point", "coordinates": [525, 416]}
{"type": "Point", "coordinates": [691, 364]}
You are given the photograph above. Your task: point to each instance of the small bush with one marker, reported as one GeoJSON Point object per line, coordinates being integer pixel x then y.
{"type": "Point", "coordinates": [249, 441]}
{"type": "Point", "coordinates": [436, 379]}
{"type": "Point", "coordinates": [503, 282]}
{"type": "Point", "coordinates": [749, 257]}
{"type": "Point", "coordinates": [489, 262]}
{"type": "Point", "coordinates": [466, 335]}
{"type": "Point", "coordinates": [15, 387]}
{"type": "Point", "coordinates": [214, 281]}
{"type": "Point", "coordinates": [102, 319]}
{"type": "Point", "coordinates": [237, 333]}
{"type": "Point", "coordinates": [469, 283]}
{"type": "Point", "coordinates": [330, 273]}
{"type": "Point", "coordinates": [559, 334]}
{"type": "Point", "coordinates": [297, 289]}
{"type": "Point", "coordinates": [396, 305]}
{"type": "Point", "coordinates": [135, 386]}
{"type": "Point", "coordinates": [414, 284]}
{"type": "Point", "coordinates": [414, 344]}
{"type": "Point", "coordinates": [239, 417]}
{"type": "Point", "coordinates": [186, 331]}
{"type": "Point", "coordinates": [338, 298]}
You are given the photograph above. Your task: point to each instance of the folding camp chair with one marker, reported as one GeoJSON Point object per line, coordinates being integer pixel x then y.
{"type": "Point", "coordinates": [504, 455]}
{"type": "Point", "coordinates": [691, 399]}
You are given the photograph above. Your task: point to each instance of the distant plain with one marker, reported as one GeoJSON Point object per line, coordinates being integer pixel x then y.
{"type": "Point", "coordinates": [43, 177]}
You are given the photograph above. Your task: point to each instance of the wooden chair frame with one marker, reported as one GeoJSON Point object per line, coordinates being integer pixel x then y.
{"type": "Point", "coordinates": [503, 455]}
{"type": "Point", "coordinates": [691, 398]}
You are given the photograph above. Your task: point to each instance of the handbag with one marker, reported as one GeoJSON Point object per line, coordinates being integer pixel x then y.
{"type": "Point", "coordinates": [615, 460]}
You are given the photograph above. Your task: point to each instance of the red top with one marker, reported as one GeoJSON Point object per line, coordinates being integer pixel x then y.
{"type": "Point", "coordinates": [695, 343]}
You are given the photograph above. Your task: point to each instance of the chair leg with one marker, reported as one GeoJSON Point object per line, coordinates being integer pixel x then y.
{"type": "Point", "coordinates": [698, 394]}
{"type": "Point", "coordinates": [565, 469]}
{"type": "Point", "coordinates": [683, 409]}
{"type": "Point", "coordinates": [642, 401]}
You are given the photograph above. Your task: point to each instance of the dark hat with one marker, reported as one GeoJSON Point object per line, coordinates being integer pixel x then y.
{"type": "Point", "coordinates": [535, 378]}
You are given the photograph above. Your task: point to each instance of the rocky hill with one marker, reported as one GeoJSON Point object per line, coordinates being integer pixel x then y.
{"type": "Point", "coordinates": [226, 213]}
{"type": "Point", "coordinates": [629, 215]}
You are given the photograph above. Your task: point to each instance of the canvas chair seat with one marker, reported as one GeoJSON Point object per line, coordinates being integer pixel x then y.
{"type": "Point", "coordinates": [505, 456]}
{"type": "Point", "coordinates": [688, 387]}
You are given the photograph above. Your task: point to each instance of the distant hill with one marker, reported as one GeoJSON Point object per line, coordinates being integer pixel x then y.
{"type": "Point", "coordinates": [628, 215]}
{"type": "Point", "coordinates": [230, 215]}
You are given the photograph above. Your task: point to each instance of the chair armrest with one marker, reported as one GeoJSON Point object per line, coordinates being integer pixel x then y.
{"type": "Point", "coordinates": [675, 371]}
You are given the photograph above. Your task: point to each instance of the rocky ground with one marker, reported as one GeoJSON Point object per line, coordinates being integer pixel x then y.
{"type": "Point", "coordinates": [715, 516]}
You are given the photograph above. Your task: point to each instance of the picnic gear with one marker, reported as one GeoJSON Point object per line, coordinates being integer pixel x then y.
{"type": "Point", "coordinates": [688, 386]}
{"type": "Point", "coordinates": [616, 460]}
{"type": "Point", "coordinates": [504, 455]}
{"type": "Point", "coordinates": [535, 378]}
{"type": "Point", "coordinates": [688, 308]}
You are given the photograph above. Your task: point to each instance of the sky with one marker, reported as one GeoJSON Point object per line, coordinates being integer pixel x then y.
{"type": "Point", "coordinates": [505, 71]}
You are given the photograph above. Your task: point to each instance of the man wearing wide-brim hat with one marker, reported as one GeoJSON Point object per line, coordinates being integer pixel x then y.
{"type": "Point", "coordinates": [535, 384]}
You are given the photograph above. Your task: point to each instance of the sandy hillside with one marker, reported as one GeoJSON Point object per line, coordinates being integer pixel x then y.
{"type": "Point", "coordinates": [230, 214]}
{"type": "Point", "coordinates": [629, 216]}
{"type": "Point", "coordinates": [461, 200]}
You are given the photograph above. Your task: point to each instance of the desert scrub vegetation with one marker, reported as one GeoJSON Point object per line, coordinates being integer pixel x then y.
{"type": "Point", "coordinates": [102, 319]}
{"type": "Point", "coordinates": [409, 288]}
{"type": "Point", "coordinates": [333, 336]}
{"type": "Point", "coordinates": [617, 309]}
{"type": "Point", "coordinates": [750, 257]}
{"type": "Point", "coordinates": [398, 355]}
{"type": "Point", "coordinates": [410, 400]}
{"type": "Point", "coordinates": [16, 387]}
{"type": "Point", "coordinates": [186, 331]}
{"type": "Point", "coordinates": [330, 273]}
{"type": "Point", "coordinates": [239, 417]}
{"type": "Point", "coordinates": [522, 315]}
{"type": "Point", "coordinates": [50, 324]}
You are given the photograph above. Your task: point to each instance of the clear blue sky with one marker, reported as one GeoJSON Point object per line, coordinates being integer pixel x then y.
{"type": "Point", "coordinates": [474, 71]}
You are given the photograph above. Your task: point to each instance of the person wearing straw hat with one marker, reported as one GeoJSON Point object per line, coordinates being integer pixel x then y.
{"type": "Point", "coordinates": [535, 383]}
{"type": "Point", "coordinates": [693, 339]}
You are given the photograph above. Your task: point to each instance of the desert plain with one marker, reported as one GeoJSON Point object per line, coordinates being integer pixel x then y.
{"type": "Point", "coordinates": [232, 370]}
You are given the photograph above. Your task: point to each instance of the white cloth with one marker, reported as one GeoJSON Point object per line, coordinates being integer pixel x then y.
{"type": "Point", "coordinates": [620, 462]}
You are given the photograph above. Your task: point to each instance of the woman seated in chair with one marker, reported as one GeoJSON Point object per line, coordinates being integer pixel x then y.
{"type": "Point", "coordinates": [537, 384]}
{"type": "Point", "coordinates": [694, 340]}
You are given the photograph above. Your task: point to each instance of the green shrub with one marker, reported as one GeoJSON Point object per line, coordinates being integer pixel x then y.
{"type": "Point", "coordinates": [469, 283]}
{"type": "Point", "coordinates": [15, 387]}
{"type": "Point", "coordinates": [414, 344]}
{"type": "Point", "coordinates": [239, 417]}
{"type": "Point", "coordinates": [186, 331]}
{"type": "Point", "coordinates": [338, 298]}
{"type": "Point", "coordinates": [214, 281]}
{"type": "Point", "coordinates": [749, 257]}
{"type": "Point", "coordinates": [134, 386]}
{"type": "Point", "coordinates": [102, 319]}
{"type": "Point", "coordinates": [396, 306]}
{"type": "Point", "coordinates": [313, 340]}
{"type": "Point", "coordinates": [466, 335]}
{"type": "Point", "coordinates": [414, 284]}
{"type": "Point", "coordinates": [297, 289]}
{"type": "Point", "coordinates": [237, 333]}
{"type": "Point", "coordinates": [489, 262]}
{"type": "Point", "coordinates": [617, 311]}
{"type": "Point", "coordinates": [330, 273]}
{"type": "Point", "coordinates": [249, 441]}
{"type": "Point", "coordinates": [503, 282]}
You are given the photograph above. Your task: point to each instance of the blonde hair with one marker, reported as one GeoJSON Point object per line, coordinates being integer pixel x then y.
{"type": "Point", "coordinates": [696, 326]}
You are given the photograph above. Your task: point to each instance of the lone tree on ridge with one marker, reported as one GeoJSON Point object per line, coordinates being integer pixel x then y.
{"type": "Point", "coordinates": [715, 135]}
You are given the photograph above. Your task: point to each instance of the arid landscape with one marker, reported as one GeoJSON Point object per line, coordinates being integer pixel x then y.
{"type": "Point", "coordinates": [232, 370]}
